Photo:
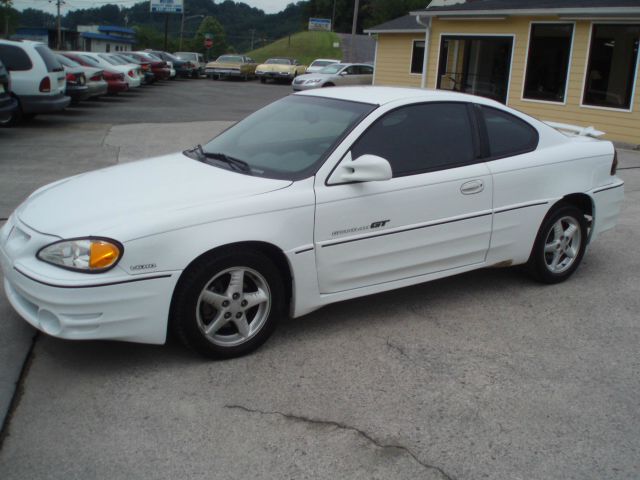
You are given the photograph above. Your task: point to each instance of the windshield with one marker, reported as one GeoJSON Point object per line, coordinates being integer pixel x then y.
{"type": "Point", "coordinates": [90, 60]}
{"type": "Point", "coordinates": [67, 62]}
{"type": "Point", "coordinates": [278, 61]}
{"type": "Point", "coordinates": [322, 63]}
{"type": "Point", "coordinates": [230, 59]}
{"type": "Point", "coordinates": [289, 138]}
{"type": "Point", "coordinates": [187, 56]}
{"type": "Point", "coordinates": [335, 68]}
{"type": "Point", "coordinates": [110, 59]}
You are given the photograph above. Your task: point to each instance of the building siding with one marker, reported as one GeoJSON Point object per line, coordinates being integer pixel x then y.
{"type": "Point", "coordinates": [394, 62]}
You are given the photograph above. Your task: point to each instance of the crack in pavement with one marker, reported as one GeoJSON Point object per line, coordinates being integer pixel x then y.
{"type": "Point", "coordinates": [19, 390]}
{"type": "Point", "coordinates": [397, 348]}
{"type": "Point", "coordinates": [342, 426]}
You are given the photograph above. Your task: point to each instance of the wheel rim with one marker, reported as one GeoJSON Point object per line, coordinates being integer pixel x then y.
{"type": "Point", "coordinates": [233, 306]}
{"type": "Point", "coordinates": [562, 245]}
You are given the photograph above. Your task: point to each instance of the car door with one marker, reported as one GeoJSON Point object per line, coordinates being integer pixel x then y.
{"type": "Point", "coordinates": [348, 76]}
{"type": "Point", "coordinates": [365, 76]}
{"type": "Point", "coordinates": [433, 215]}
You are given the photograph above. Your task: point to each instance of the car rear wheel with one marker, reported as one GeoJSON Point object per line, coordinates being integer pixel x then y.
{"type": "Point", "coordinates": [15, 118]}
{"type": "Point", "coordinates": [228, 305]}
{"type": "Point", "coordinates": [560, 245]}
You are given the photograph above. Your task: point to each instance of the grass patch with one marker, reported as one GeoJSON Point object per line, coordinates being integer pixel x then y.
{"type": "Point", "coordinates": [304, 46]}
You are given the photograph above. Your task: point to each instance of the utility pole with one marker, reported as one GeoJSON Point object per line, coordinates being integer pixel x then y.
{"type": "Point", "coordinates": [181, 29]}
{"type": "Point", "coordinates": [58, 23]}
{"type": "Point", "coordinates": [352, 52]}
{"type": "Point", "coordinates": [253, 32]}
{"type": "Point", "coordinates": [166, 30]}
{"type": "Point", "coordinates": [333, 16]}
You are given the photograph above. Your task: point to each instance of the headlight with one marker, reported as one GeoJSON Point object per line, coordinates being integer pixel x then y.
{"type": "Point", "coordinates": [88, 255]}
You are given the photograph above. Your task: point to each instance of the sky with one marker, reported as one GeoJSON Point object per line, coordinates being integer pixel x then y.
{"type": "Point", "coordinates": [269, 6]}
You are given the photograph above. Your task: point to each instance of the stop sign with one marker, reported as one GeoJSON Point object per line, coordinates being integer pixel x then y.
{"type": "Point", "coordinates": [208, 42]}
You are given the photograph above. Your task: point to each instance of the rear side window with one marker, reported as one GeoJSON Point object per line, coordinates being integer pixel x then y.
{"type": "Point", "coordinates": [420, 138]}
{"type": "Point", "coordinates": [507, 135]}
{"type": "Point", "coordinates": [50, 60]}
{"type": "Point", "coordinates": [14, 58]}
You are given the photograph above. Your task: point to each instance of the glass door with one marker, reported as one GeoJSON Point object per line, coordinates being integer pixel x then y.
{"type": "Point", "coordinates": [476, 65]}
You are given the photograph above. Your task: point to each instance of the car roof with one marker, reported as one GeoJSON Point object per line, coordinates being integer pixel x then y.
{"type": "Point", "coordinates": [384, 95]}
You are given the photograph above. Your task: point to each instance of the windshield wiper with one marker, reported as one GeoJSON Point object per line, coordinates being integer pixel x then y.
{"type": "Point", "coordinates": [234, 163]}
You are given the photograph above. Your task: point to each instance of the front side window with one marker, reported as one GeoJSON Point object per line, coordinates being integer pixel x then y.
{"type": "Point", "coordinates": [291, 137]}
{"type": "Point", "coordinates": [507, 135]}
{"type": "Point", "coordinates": [420, 138]}
{"type": "Point", "coordinates": [611, 71]}
{"type": "Point", "coordinates": [417, 56]}
{"type": "Point", "coordinates": [548, 62]}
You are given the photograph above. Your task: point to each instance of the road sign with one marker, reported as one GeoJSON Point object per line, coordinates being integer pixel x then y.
{"type": "Point", "coordinates": [320, 24]}
{"type": "Point", "coordinates": [208, 42]}
{"type": "Point", "coordinates": [166, 6]}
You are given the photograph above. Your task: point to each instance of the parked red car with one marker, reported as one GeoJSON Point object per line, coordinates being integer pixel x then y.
{"type": "Point", "coordinates": [115, 80]}
{"type": "Point", "coordinates": [158, 66]}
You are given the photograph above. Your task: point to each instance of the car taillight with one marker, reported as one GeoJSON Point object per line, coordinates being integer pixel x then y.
{"type": "Point", "coordinates": [45, 85]}
{"type": "Point", "coordinates": [96, 78]}
{"type": "Point", "coordinates": [131, 73]}
{"type": "Point", "coordinates": [71, 78]}
{"type": "Point", "coordinates": [614, 164]}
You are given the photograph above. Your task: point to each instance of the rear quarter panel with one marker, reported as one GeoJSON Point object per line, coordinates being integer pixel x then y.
{"type": "Point", "coordinates": [527, 186]}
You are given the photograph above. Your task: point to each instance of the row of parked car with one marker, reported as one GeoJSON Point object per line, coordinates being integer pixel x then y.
{"type": "Point", "coordinates": [34, 79]}
{"type": "Point", "coordinates": [322, 72]}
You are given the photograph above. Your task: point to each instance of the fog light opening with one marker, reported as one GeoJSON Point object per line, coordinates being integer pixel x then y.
{"type": "Point", "coordinates": [49, 322]}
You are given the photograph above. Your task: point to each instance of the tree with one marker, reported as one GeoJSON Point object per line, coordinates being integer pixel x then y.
{"type": "Point", "coordinates": [210, 25]}
{"type": "Point", "coordinates": [8, 17]}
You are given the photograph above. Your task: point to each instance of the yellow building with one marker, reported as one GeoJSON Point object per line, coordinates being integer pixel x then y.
{"type": "Point", "coordinates": [570, 61]}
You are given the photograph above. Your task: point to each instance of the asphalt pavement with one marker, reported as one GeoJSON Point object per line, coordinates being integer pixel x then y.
{"type": "Point", "coordinates": [482, 375]}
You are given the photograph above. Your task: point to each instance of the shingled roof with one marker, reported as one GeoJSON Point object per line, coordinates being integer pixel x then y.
{"type": "Point", "coordinates": [407, 23]}
{"type": "Point", "coordinates": [443, 7]}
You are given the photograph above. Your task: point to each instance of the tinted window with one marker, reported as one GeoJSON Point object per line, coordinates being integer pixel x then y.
{"type": "Point", "coordinates": [548, 62]}
{"type": "Point", "coordinates": [14, 58]}
{"type": "Point", "coordinates": [420, 138]}
{"type": "Point", "coordinates": [508, 135]}
{"type": "Point", "coordinates": [417, 56]}
{"type": "Point", "coordinates": [612, 65]}
{"type": "Point", "coordinates": [49, 58]}
{"type": "Point", "coordinates": [365, 70]}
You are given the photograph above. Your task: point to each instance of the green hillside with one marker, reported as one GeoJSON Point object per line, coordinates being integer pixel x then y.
{"type": "Point", "coordinates": [304, 46]}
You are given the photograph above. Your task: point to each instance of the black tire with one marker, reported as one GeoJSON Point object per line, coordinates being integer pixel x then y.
{"type": "Point", "coordinates": [15, 118]}
{"type": "Point", "coordinates": [328, 85]}
{"type": "Point", "coordinates": [538, 264]}
{"type": "Point", "coordinates": [188, 312]}
{"type": "Point", "coordinates": [263, 80]}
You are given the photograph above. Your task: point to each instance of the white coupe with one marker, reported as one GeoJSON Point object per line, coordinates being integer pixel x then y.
{"type": "Point", "coordinates": [319, 197]}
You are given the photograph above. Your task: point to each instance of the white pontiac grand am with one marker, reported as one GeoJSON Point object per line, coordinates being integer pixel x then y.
{"type": "Point", "coordinates": [319, 197]}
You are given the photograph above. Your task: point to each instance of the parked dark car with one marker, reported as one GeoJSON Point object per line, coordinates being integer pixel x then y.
{"type": "Point", "coordinates": [158, 66]}
{"type": "Point", "coordinates": [184, 68]}
{"type": "Point", "coordinates": [8, 104]}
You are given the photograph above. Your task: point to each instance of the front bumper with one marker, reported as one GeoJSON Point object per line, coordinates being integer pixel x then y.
{"type": "Point", "coordinates": [44, 103]}
{"type": "Point", "coordinates": [223, 72]}
{"type": "Point", "coordinates": [275, 75]}
{"type": "Point", "coordinates": [89, 307]}
{"type": "Point", "coordinates": [78, 93]}
{"type": "Point", "coordinates": [98, 88]}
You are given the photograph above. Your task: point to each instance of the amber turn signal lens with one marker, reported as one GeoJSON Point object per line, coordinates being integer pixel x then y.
{"type": "Point", "coordinates": [103, 254]}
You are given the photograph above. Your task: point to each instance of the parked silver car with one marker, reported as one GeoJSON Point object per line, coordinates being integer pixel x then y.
{"type": "Point", "coordinates": [342, 74]}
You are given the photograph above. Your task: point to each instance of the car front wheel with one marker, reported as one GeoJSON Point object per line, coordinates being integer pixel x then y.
{"type": "Point", "coordinates": [228, 305]}
{"type": "Point", "coordinates": [560, 245]}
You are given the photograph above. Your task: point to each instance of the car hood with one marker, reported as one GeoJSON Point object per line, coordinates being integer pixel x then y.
{"type": "Point", "coordinates": [158, 193]}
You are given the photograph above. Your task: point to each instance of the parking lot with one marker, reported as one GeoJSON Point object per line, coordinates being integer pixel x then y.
{"type": "Point", "coordinates": [483, 375]}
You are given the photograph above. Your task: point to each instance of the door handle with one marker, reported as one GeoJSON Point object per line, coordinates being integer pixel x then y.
{"type": "Point", "coordinates": [474, 186]}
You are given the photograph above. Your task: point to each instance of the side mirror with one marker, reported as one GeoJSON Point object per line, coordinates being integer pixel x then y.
{"type": "Point", "coordinates": [343, 73]}
{"type": "Point", "coordinates": [366, 168]}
